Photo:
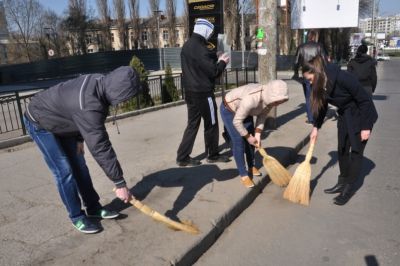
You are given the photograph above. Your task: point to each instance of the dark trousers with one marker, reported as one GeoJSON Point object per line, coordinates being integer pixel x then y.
{"type": "Point", "coordinates": [200, 107]}
{"type": "Point", "coordinates": [350, 161]}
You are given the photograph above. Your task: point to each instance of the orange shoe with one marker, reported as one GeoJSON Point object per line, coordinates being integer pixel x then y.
{"type": "Point", "coordinates": [255, 172]}
{"type": "Point", "coordinates": [247, 182]}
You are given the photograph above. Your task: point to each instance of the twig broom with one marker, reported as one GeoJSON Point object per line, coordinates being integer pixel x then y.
{"type": "Point", "coordinates": [185, 226]}
{"type": "Point", "coordinates": [298, 190]}
{"type": "Point", "coordinates": [278, 174]}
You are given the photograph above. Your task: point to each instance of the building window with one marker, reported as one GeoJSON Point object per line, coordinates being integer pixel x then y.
{"type": "Point", "coordinates": [90, 50]}
{"type": "Point", "coordinates": [177, 34]}
{"type": "Point", "coordinates": [166, 45]}
{"type": "Point", "coordinates": [88, 38]}
{"type": "Point", "coordinates": [144, 36]}
{"type": "Point", "coordinates": [165, 35]}
{"type": "Point", "coordinates": [112, 37]}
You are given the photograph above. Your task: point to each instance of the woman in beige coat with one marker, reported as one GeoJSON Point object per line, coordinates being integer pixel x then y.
{"type": "Point", "coordinates": [237, 111]}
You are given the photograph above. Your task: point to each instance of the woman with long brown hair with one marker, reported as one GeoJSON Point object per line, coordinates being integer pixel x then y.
{"type": "Point", "coordinates": [356, 117]}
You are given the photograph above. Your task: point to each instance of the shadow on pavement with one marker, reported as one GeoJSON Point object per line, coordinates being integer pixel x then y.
{"type": "Point", "coordinates": [367, 167]}
{"type": "Point", "coordinates": [190, 179]}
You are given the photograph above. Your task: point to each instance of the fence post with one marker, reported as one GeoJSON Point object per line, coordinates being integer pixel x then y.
{"type": "Point", "coordinates": [237, 77]}
{"type": "Point", "coordinates": [254, 75]}
{"type": "Point", "coordinates": [161, 90]}
{"type": "Point", "coordinates": [182, 90]}
{"type": "Point", "coordinates": [20, 113]}
{"type": "Point", "coordinates": [247, 77]}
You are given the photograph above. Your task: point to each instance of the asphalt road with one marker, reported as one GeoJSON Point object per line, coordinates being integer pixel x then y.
{"type": "Point", "coordinates": [366, 231]}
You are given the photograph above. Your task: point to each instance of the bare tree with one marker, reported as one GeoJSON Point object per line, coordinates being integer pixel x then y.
{"type": "Point", "coordinates": [154, 9]}
{"type": "Point", "coordinates": [52, 36]}
{"type": "Point", "coordinates": [232, 23]}
{"type": "Point", "coordinates": [76, 24]}
{"type": "Point", "coordinates": [135, 23]}
{"type": "Point", "coordinates": [119, 8]}
{"type": "Point", "coordinates": [171, 14]}
{"type": "Point", "coordinates": [105, 17]}
{"type": "Point", "coordinates": [185, 21]}
{"type": "Point", "coordinates": [23, 18]}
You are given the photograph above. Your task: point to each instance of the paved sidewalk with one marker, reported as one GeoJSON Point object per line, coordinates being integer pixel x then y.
{"type": "Point", "coordinates": [34, 227]}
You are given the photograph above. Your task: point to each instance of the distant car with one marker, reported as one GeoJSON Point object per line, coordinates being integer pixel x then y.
{"type": "Point", "coordinates": [382, 57]}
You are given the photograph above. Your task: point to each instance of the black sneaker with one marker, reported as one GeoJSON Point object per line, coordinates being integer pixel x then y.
{"type": "Point", "coordinates": [218, 159]}
{"type": "Point", "coordinates": [84, 225]}
{"type": "Point", "coordinates": [104, 214]}
{"type": "Point", "coordinates": [188, 162]}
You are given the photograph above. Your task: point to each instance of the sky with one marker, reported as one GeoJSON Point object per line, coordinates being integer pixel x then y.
{"type": "Point", "coordinates": [59, 6]}
{"type": "Point", "coordinates": [386, 7]}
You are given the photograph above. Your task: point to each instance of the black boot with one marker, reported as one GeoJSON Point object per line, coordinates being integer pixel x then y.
{"type": "Point", "coordinates": [345, 195]}
{"type": "Point", "coordinates": [337, 188]}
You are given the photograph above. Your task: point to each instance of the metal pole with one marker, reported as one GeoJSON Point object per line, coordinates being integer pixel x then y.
{"type": "Point", "coordinates": [243, 42]}
{"type": "Point", "coordinates": [158, 38]}
{"type": "Point", "coordinates": [267, 63]}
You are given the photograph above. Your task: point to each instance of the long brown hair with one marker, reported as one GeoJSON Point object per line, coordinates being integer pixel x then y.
{"type": "Point", "coordinates": [316, 66]}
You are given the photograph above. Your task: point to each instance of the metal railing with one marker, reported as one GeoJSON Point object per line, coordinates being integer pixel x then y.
{"type": "Point", "coordinates": [13, 104]}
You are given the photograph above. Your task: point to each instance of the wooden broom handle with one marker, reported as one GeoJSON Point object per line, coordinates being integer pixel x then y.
{"type": "Point", "coordinates": [310, 151]}
{"type": "Point", "coordinates": [262, 152]}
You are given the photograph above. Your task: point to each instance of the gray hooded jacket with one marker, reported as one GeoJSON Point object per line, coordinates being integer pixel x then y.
{"type": "Point", "coordinates": [79, 107]}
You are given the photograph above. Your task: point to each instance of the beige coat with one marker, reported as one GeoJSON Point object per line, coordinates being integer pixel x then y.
{"type": "Point", "coordinates": [253, 100]}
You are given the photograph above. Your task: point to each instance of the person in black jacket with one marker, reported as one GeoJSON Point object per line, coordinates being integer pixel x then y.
{"type": "Point", "coordinates": [305, 53]}
{"type": "Point", "coordinates": [60, 118]}
{"type": "Point", "coordinates": [356, 117]}
{"type": "Point", "coordinates": [200, 68]}
{"type": "Point", "coordinates": [363, 67]}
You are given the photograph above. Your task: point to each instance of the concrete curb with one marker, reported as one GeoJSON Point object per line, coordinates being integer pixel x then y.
{"type": "Point", "coordinates": [194, 252]}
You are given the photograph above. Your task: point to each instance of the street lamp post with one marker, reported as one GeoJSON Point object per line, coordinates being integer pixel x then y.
{"type": "Point", "coordinates": [157, 13]}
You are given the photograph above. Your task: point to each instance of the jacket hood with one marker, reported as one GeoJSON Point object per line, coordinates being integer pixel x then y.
{"type": "Point", "coordinates": [275, 91]}
{"type": "Point", "coordinates": [120, 85]}
{"type": "Point", "coordinates": [362, 59]}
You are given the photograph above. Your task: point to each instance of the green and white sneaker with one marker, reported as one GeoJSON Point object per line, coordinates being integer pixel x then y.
{"type": "Point", "coordinates": [104, 214]}
{"type": "Point", "coordinates": [84, 225]}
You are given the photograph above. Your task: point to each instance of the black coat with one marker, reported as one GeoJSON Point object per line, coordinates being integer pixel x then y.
{"type": "Point", "coordinates": [199, 66]}
{"type": "Point", "coordinates": [355, 106]}
{"type": "Point", "coordinates": [364, 68]}
{"type": "Point", "coordinates": [79, 107]}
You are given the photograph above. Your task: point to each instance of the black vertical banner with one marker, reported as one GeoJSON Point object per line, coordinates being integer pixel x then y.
{"type": "Point", "coordinates": [212, 10]}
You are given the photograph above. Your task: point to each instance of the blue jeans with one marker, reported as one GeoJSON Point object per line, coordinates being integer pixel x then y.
{"type": "Point", "coordinates": [69, 170]}
{"type": "Point", "coordinates": [240, 146]}
{"type": "Point", "coordinates": [307, 95]}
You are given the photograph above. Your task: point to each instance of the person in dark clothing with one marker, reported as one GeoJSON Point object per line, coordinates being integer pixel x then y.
{"type": "Point", "coordinates": [363, 67]}
{"type": "Point", "coordinates": [305, 53]}
{"type": "Point", "coordinates": [356, 117]}
{"type": "Point", "coordinates": [60, 118]}
{"type": "Point", "coordinates": [200, 68]}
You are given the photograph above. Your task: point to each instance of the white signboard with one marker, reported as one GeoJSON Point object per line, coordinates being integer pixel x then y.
{"type": "Point", "coordinates": [314, 14]}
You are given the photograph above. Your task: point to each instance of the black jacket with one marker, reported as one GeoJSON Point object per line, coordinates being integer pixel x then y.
{"type": "Point", "coordinates": [199, 66]}
{"type": "Point", "coordinates": [364, 68]}
{"type": "Point", "coordinates": [79, 107]}
{"type": "Point", "coordinates": [306, 52]}
{"type": "Point", "coordinates": [345, 92]}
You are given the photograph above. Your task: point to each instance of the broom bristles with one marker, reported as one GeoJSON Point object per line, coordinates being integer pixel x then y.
{"type": "Point", "coordinates": [187, 226]}
{"type": "Point", "coordinates": [298, 190]}
{"type": "Point", "coordinates": [277, 173]}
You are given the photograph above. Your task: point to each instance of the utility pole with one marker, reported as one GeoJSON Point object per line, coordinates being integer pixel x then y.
{"type": "Point", "coordinates": [243, 34]}
{"type": "Point", "coordinates": [267, 15]}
